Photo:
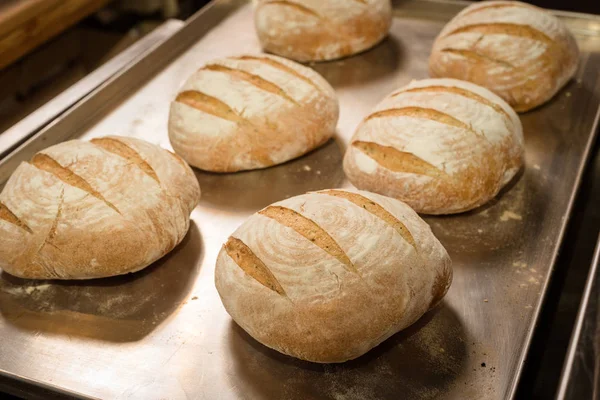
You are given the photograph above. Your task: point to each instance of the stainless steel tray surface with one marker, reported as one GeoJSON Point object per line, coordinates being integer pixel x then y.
{"type": "Point", "coordinates": [163, 334]}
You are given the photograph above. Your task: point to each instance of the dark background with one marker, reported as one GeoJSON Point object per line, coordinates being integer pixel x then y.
{"type": "Point", "coordinates": [584, 6]}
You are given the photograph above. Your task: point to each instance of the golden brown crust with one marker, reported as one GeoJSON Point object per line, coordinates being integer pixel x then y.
{"type": "Point", "coordinates": [330, 313]}
{"type": "Point", "coordinates": [376, 210]}
{"type": "Point", "coordinates": [46, 163]}
{"type": "Point", "coordinates": [249, 112]}
{"type": "Point", "coordinates": [121, 149]}
{"type": "Point", "coordinates": [255, 80]}
{"type": "Point", "coordinates": [521, 52]}
{"type": "Point", "coordinates": [11, 218]}
{"type": "Point", "coordinates": [455, 90]}
{"type": "Point", "coordinates": [522, 31]}
{"type": "Point", "coordinates": [441, 145]}
{"type": "Point", "coordinates": [209, 105]}
{"type": "Point", "coordinates": [279, 65]}
{"type": "Point", "coordinates": [94, 209]}
{"type": "Point", "coordinates": [476, 184]}
{"type": "Point", "coordinates": [421, 112]}
{"type": "Point", "coordinates": [251, 264]}
{"type": "Point", "coordinates": [396, 160]}
{"type": "Point", "coordinates": [311, 30]}
{"type": "Point", "coordinates": [309, 229]}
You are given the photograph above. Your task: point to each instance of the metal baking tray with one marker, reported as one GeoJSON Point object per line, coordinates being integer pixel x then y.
{"type": "Point", "coordinates": [162, 333]}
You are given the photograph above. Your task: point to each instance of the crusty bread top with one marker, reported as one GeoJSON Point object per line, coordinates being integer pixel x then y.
{"type": "Point", "coordinates": [90, 209]}
{"type": "Point", "coordinates": [254, 84]}
{"type": "Point", "coordinates": [441, 145]}
{"type": "Point", "coordinates": [432, 119]}
{"type": "Point", "coordinates": [510, 45]}
{"type": "Point", "coordinates": [535, 22]}
{"type": "Point", "coordinates": [325, 276]}
{"type": "Point", "coordinates": [251, 111]}
{"type": "Point", "coordinates": [337, 228]}
{"type": "Point", "coordinates": [307, 30]}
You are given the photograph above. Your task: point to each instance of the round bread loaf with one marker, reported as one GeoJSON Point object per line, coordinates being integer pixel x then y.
{"type": "Point", "coordinates": [80, 210]}
{"type": "Point", "coordinates": [441, 145]}
{"type": "Point", "coordinates": [318, 30]}
{"type": "Point", "coordinates": [251, 111]}
{"type": "Point", "coordinates": [328, 275]}
{"type": "Point", "coordinates": [521, 52]}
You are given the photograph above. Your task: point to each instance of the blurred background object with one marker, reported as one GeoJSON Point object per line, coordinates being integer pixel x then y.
{"type": "Point", "coordinates": [48, 45]}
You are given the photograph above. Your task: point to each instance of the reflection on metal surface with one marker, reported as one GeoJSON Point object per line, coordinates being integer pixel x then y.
{"type": "Point", "coordinates": [252, 190]}
{"type": "Point", "coordinates": [472, 346]}
{"type": "Point", "coordinates": [490, 228]}
{"type": "Point", "coordinates": [367, 67]}
{"type": "Point", "coordinates": [419, 362]}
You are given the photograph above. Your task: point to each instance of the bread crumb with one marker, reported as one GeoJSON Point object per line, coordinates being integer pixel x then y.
{"type": "Point", "coordinates": [306, 168]}
{"type": "Point", "coordinates": [195, 298]}
{"type": "Point", "coordinates": [26, 289]}
{"type": "Point", "coordinates": [318, 172]}
{"type": "Point", "coordinates": [568, 94]}
{"type": "Point", "coordinates": [506, 215]}
{"type": "Point", "coordinates": [528, 306]}
{"type": "Point", "coordinates": [485, 300]}
{"type": "Point", "coordinates": [480, 230]}
{"type": "Point", "coordinates": [519, 264]}
{"type": "Point", "coordinates": [536, 166]}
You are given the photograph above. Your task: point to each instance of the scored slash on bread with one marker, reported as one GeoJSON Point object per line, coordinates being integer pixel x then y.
{"type": "Point", "coordinates": [46, 163]}
{"type": "Point", "coordinates": [396, 160]}
{"type": "Point", "coordinates": [442, 145]}
{"type": "Point", "coordinates": [251, 111]}
{"type": "Point", "coordinates": [119, 148]}
{"type": "Point", "coordinates": [376, 210]}
{"type": "Point", "coordinates": [252, 79]}
{"type": "Point", "coordinates": [328, 275]}
{"type": "Point", "coordinates": [310, 230]}
{"type": "Point", "coordinates": [245, 258]}
{"type": "Point", "coordinates": [421, 112]}
{"type": "Point", "coordinates": [7, 215]}
{"type": "Point", "coordinates": [457, 90]}
{"type": "Point", "coordinates": [281, 66]}
{"type": "Point", "coordinates": [519, 51]}
{"type": "Point", "coordinates": [81, 210]}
